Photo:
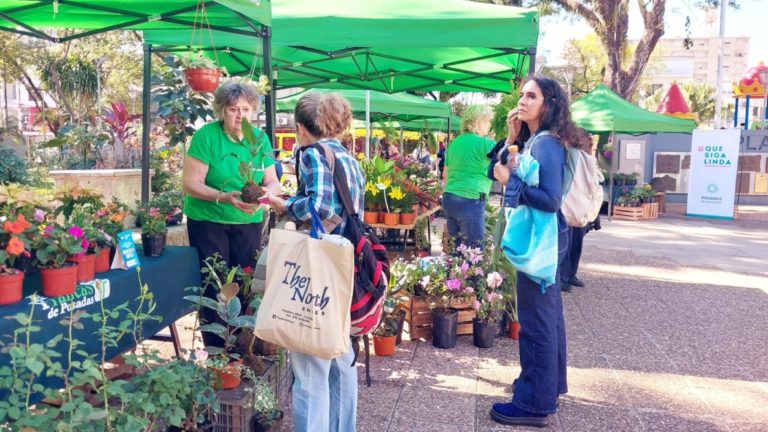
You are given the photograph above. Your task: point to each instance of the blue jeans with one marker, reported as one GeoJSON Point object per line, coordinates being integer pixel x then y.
{"type": "Point", "coordinates": [324, 393]}
{"type": "Point", "coordinates": [542, 342]}
{"type": "Point", "coordinates": [465, 219]}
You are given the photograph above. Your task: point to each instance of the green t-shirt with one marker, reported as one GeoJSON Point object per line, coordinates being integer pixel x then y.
{"type": "Point", "coordinates": [467, 163]}
{"type": "Point", "coordinates": [211, 146]}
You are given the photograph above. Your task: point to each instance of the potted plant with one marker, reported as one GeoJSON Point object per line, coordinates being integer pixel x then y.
{"type": "Point", "coordinates": [265, 405]}
{"type": "Point", "coordinates": [488, 304]}
{"type": "Point", "coordinates": [423, 246]}
{"type": "Point", "coordinates": [85, 260]}
{"type": "Point", "coordinates": [153, 230]}
{"type": "Point", "coordinates": [251, 192]}
{"type": "Point", "coordinates": [52, 248]}
{"type": "Point", "coordinates": [405, 205]}
{"type": "Point", "coordinates": [372, 198]}
{"type": "Point", "coordinates": [385, 336]}
{"type": "Point", "coordinates": [14, 242]}
{"type": "Point", "coordinates": [455, 288]}
{"type": "Point", "coordinates": [201, 72]}
{"type": "Point", "coordinates": [395, 206]}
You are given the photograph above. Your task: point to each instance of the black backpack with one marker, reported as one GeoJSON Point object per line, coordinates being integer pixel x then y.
{"type": "Point", "coordinates": [371, 262]}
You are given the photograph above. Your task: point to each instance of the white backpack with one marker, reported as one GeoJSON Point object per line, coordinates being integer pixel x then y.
{"type": "Point", "coordinates": [581, 204]}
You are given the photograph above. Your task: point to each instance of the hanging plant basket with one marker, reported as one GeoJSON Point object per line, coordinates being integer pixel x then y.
{"type": "Point", "coordinates": [203, 80]}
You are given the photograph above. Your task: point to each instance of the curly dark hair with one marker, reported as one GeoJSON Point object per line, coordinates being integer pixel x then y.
{"type": "Point", "coordinates": [556, 114]}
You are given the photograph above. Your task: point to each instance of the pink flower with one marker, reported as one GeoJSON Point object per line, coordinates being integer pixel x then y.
{"type": "Point", "coordinates": [453, 284]}
{"type": "Point", "coordinates": [84, 243]}
{"type": "Point", "coordinates": [201, 356]}
{"type": "Point", "coordinates": [75, 232]}
{"type": "Point", "coordinates": [101, 213]}
{"type": "Point", "coordinates": [38, 216]}
{"type": "Point", "coordinates": [424, 281]}
{"type": "Point", "coordinates": [475, 258]}
{"type": "Point", "coordinates": [154, 212]}
{"type": "Point", "coordinates": [49, 230]}
{"type": "Point", "coordinates": [469, 290]}
{"type": "Point", "coordinates": [479, 271]}
{"type": "Point", "coordinates": [494, 279]}
{"type": "Point", "coordinates": [476, 305]}
{"type": "Point", "coordinates": [464, 268]}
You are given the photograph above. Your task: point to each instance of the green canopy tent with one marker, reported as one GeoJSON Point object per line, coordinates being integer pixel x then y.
{"type": "Point", "coordinates": [381, 107]}
{"type": "Point", "coordinates": [602, 111]}
{"type": "Point", "coordinates": [394, 46]}
{"type": "Point", "coordinates": [241, 18]}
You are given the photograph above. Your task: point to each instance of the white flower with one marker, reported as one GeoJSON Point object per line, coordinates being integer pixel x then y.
{"type": "Point", "coordinates": [494, 279]}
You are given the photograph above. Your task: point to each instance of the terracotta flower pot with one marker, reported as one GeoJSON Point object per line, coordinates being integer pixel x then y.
{"type": "Point", "coordinates": [86, 265]}
{"type": "Point", "coordinates": [203, 80]}
{"type": "Point", "coordinates": [229, 377]}
{"type": "Point", "coordinates": [102, 260]}
{"type": "Point", "coordinates": [514, 330]}
{"type": "Point", "coordinates": [370, 217]}
{"type": "Point", "coordinates": [381, 216]}
{"type": "Point", "coordinates": [391, 219]}
{"type": "Point", "coordinates": [407, 218]}
{"type": "Point", "coordinates": [59, 281]}
{"type": "Point", "coordinates": [384, 345]}
{"type": "Point", "coordinates": [11, 287]}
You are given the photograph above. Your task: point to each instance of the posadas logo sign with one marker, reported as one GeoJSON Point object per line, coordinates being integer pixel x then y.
{"type": "Point", "coordinates": [715, 156]}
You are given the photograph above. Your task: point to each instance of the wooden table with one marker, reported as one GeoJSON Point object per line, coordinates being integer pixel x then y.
{"type": "Point", "coordinates": [409, 227]}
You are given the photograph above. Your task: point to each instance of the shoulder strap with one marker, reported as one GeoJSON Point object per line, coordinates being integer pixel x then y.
{"type": "Point", "coordinates": [340, 183]}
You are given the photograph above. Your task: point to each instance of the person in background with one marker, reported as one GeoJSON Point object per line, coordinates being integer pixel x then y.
{"type": "Point", "coordinates": [324, 391]}
{"type": "Point", "coordinates": [466, 183]}
{"type": "Point", "coordinates": [441, 159]}
{"type": "Point", "coordinates": [543, 108]}
{"type": "Point", "coordinates": [218, 221]}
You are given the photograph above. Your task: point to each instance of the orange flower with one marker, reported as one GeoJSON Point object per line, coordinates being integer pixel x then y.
{"type": "Point", "coordinates": [22, 223]}
{"type": "Point", "coordinates": [15, 246]}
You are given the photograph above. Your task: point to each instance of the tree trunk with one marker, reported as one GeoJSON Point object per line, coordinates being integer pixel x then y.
{"type": "Point", "coordinates": [610, 21]}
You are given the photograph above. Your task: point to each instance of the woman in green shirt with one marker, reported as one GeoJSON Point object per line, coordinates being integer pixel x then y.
{"type": "Point", "coordinates": [466, 182]}
{"type": "Point", "coordinates": [218, 221]}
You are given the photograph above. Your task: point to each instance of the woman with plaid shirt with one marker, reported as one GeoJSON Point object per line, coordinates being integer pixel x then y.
{"type": "Point", "coordinates": [325, 391]}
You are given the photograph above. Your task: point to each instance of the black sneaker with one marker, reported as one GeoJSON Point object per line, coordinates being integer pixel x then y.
{"type": "Point", "coordinates": [575, 281]}
{"type": "Point", "coordinates": [566, 287]}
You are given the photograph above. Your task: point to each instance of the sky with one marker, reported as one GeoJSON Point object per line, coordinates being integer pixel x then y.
{"type": "Point", "coordinates": [749, 20]}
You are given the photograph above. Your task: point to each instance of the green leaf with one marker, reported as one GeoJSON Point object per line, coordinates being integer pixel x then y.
{"type": "Point", "coordinates": [203, 301]}
{"type": "Point", "coordinates": [214, 328]}
{"type": "Point", "coordinates": [98, 415]}
{"type": "Point", "coordinates": [247, 129]}
{"type": "Point", "coordinates": [246, 321]}
{"type": "Point", "coordinates": [36, 366]}
{"type": "Point", "coordinates": [233, 308]}
{"type": "Point", "coordinates": [53, 342]}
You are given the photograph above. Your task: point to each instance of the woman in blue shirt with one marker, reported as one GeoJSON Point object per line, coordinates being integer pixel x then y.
{"type": "Point", "coordinates": [543, 106]}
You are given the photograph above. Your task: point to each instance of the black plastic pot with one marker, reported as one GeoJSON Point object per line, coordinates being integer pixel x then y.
{"type": "Point", "coordinates": [483, 333]}
{"type": "Point", "coordinates": [444, 328]}
{"type": "Point", "coordinates": [153, 245]}
{"type": "Point", "coordinates": [260, 424]}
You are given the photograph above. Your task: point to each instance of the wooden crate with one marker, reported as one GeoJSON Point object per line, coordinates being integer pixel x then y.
{"type": "Point", "coordinates": [650, 211]}
{"type": "Point", "coordinates": [418, 316]}
{"type": "Point", "coordinates": [628, 213]}
{"type": "Point", "coordinates": [236, 410]}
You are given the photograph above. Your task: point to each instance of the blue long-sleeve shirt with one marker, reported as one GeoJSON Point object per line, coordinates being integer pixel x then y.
{"type": "Point", "coordinates": [550, 154]}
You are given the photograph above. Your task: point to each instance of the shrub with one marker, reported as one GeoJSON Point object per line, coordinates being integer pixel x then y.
{"type": "Point", "coordinates": [13, 169]}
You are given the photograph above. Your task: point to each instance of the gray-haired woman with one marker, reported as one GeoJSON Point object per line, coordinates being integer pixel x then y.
{"type": "Point", "coordinates": [217, 219]}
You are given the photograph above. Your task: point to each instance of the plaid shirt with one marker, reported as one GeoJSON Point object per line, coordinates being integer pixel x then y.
{"type": "Point", "coordinates": [316, 184]}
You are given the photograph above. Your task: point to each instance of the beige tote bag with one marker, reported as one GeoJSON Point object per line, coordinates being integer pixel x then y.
{"type": "Point", "coordinates": [308, 293]}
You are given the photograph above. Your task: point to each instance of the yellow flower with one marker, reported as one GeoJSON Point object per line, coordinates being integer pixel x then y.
{"type": "Point", "coordinates": [386, 181]}
{"type": "Point", "coordinates": [371, 188]}
{"type": "Point", "coordinates": [396, 193]}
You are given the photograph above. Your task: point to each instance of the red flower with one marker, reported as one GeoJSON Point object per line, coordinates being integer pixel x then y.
{"type": "Point", "coordinates": [247, 270]}
{"type": "Point", "coordinates": [15, 246]}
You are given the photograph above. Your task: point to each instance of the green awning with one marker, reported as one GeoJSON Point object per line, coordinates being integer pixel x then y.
{"type": "Point", "coordinates": [604, 111]}
{"type": "Point", "coordinates": [393, 46]}
{"type": "Point", "coordinates": [29, 17]}
{"type": "Point", "coordinates": [384, 107]}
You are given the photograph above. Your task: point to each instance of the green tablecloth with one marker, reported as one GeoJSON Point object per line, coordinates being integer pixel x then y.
{"type": "Point", "coordinates": [167, 277]}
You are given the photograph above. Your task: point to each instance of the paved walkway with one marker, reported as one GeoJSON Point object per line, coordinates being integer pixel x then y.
{"type": "Point", "coordinates": [670, 334]}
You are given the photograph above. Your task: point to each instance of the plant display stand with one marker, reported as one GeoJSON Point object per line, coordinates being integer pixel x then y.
{"type": "Point", "coordinates": [650, 211]}
{"type": "Point", "coordinates": [418, 315]}
{"type": "Point", "coordinates": [236, 409]}
{"type": "Point", "coordinates": [628, 213]}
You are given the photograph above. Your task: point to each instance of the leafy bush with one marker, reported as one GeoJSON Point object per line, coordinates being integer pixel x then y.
{"type": "Point", "coordinates": [13, 169]}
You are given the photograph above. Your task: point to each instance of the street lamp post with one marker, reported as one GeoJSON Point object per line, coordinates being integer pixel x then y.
{"type": "Point", "coordinates": [764, 79]}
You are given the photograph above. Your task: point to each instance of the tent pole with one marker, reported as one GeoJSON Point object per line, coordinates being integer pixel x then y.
{"type": "Point", "coordinates": [402, 134]}
{"type": "Point", "coordinates": [367, 124]}
{"type": "Point", "coordinates": [447, 135]}
{"type": "Point", "coordinates": [736, 114]}
{"type": "Point", "coordinates": [145, 123]}
{"type": "Point", "coordinates": [610, 174]}
{"type": "Point", "coordinates": [269, 98]}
